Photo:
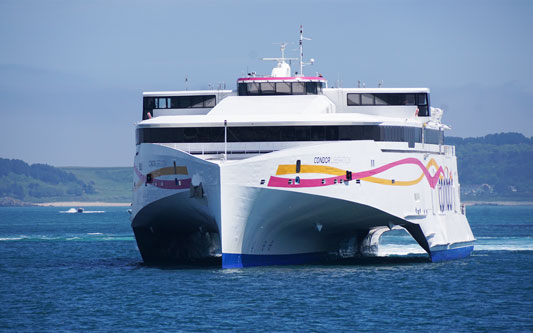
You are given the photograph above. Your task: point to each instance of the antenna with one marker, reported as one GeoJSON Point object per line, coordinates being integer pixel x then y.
{"type": "Point", "coordinates": [311, 61]}
{"type": "Point", "coordinates": [282, 69]}
{"type": "Point", "coordinates": [282, 45]}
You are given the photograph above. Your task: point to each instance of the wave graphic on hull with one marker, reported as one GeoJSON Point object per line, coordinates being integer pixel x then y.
{"type": "Point", "coordinates": [368, 175]}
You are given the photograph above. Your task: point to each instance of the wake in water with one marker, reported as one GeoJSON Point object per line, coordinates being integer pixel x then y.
{"type": "Point", "coordinates": [93, 236]}
{"type": "Point", "coordinates": [391, 246]}
{"type": "Point", "coordinates": [398, 246]}
{"type": "Point", "coordinates": [80, 211]}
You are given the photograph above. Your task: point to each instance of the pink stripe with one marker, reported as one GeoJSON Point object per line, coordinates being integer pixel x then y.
{"type": "Point", "coordinates": [284, 182]}
{"type": "Point", "coordinates": [172, 184]}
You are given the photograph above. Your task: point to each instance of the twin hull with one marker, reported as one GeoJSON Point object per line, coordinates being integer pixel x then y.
{"type": "Point", "coordinates": [294, 206]}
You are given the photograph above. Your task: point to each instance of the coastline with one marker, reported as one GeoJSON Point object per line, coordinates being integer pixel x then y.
{"type": "Point", "coordinates": [127, 204]}
{"type": "Point", "coordinates": [498, 203]}
{"type": "Point", "coordinates": [83, 204]}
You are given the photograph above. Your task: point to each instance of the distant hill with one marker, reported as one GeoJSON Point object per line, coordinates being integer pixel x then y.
{"type": "Point", "coordinates": [495, 167]}
{"type": "Point", "coordinates": [110, 184]}
{"type": "Point", "coordinates": [44, 183]}
{"type": "Point", "coordinates": [39, 182]}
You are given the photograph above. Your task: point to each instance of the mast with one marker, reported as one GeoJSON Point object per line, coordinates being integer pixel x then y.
{"type": "Point", "coordinates": [301, 50]}
{"type": "Point", "coordinates": [302, 64]}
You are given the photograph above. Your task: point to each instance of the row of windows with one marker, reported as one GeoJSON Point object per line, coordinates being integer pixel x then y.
{"type": "Point", "coordinates": [287, 133]}
{"type": "Point", "coordinates": [421, 100]}
{"type": "Point", "coordinates": [279, 88]}
{"type": "Point", "coordinates": [387, 99]}
{"type": "Point", "coordinates": [179, 102]}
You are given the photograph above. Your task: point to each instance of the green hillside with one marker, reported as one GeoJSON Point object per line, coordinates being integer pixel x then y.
{"type": "Point", "coordinates": [44, 183]}
{"type": "Point", "coordinates": [495, 167]}
{"type": "Point", "coordinates": [110, 184]}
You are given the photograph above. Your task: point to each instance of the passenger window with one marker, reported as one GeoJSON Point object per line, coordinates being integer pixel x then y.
{"type": "Point", "coordinates": [409, 99]}
{"type": "Point", "coordinates": [367, 99]}
{"type": "Point", "coordinates": [174, 102]}
{"type": "Point", "coordinates": [209, 101]}
{"type": "Point", "coordinates": [381, 99]}
{"type": "Point", "coordinates": [197, 102]}
{"type": "Point", "coordinates": [354, 99]}
{"type": "Point", "coordinates": [422, 99]}
{"type": "Point", "coordinates": [185, 102]}
{"type": "Point", "coordinates": [149, 103]}
{"type": "Point", "coordinates": [162, 103]}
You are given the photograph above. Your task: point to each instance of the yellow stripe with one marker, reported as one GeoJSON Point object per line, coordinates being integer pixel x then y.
{"type": "Point", "coordinates": [179, 170]}
{"type": "Point", "coordinates": [396, 182]}
{"type": "Point", "coordinates": [431, 163]}
{"type": "Point", "coordinates": [287, 169]}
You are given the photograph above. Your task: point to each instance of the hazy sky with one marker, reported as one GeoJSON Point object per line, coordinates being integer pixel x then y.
{"type": "Point", "coordinates": [72, 72]}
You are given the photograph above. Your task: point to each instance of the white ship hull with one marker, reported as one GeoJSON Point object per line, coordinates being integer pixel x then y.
{"type": "Point", "coordinates": [295, 205]}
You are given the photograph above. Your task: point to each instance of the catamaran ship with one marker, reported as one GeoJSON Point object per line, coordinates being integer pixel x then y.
{"type": "Point", "coordinates": [284, 170]}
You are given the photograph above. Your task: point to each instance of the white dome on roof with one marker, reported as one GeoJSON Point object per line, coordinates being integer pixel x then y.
{"type": "Point", "coordinates": [281, 70]}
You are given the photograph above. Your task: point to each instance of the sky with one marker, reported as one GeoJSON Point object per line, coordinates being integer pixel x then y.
{"type": "Point", "coordinates": [72, 72]}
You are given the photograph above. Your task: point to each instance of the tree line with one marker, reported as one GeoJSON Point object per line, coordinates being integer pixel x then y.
{"type": "Point", "coordinates": [28, 182]}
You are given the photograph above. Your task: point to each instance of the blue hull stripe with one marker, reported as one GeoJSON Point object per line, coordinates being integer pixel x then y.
{"type": "Point", "coordinates": [458, 253]}
{"type": "Point", "coordinates": [235, 260]}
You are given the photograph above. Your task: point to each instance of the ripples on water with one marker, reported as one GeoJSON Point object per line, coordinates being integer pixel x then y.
{"type": "Point", "coordinates": [83, 271]}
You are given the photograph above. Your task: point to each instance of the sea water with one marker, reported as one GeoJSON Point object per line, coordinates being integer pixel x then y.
{"type": "Point", "coordinates": [77, 272]}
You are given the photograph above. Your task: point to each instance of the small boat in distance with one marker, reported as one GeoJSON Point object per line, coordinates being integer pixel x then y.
{"type": "Point", "coordinates": [284, 170]}
{"type": "Point", "coordinates": [75, 210]}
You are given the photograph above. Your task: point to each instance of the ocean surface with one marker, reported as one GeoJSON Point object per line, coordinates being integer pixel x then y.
{"type": "Point", "coordinates": [78, 272]}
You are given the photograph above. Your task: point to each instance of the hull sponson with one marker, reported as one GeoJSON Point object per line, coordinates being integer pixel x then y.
{"type": "Point", "coordinates": [451, 254]}
{"type": "Point", "coordinates": [175, 216]}
{"type": "Point", "coordinates": [175, 230]}
{"type": "Point", "coordinates": [286, 227]}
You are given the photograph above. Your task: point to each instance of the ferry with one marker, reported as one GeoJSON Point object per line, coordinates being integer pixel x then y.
{"type": "Point", "coordinates": [285, 170]}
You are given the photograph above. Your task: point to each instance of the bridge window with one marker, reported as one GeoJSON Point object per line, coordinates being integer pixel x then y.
{"type": "Point", "coordinates": [253, 88]}
{"type": "Point", "coordinates": [279, 88]}
{"type": "Point", "coordinates": [268, 88]}
{"type": "Point", "coordinates": [298, 88]}
{"type": "Point", "coordinates": [283, 88]}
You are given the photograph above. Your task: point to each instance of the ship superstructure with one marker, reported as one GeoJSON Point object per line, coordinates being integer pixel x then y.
{"type": "Point", "coordinates": [284, 170]}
